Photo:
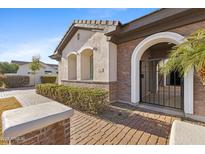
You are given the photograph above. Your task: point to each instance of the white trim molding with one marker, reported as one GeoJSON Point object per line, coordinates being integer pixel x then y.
{"type": "Point", "coordinates": [85, 48]}
{"type": "Point", "coordinates": [170, 37]}
{"type": "Point", "coordinates": [71, 53]}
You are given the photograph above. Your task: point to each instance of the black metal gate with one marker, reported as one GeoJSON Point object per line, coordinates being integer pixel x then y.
{"type": "Point", "coordinates": [159, 89]}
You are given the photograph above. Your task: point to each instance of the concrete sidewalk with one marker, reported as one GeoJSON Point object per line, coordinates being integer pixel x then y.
{"type": "Point", "coordinates": [25, 96]}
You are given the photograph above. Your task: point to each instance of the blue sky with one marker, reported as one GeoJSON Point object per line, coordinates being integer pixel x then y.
{"type": "Point", "coordinates": [28, 32]}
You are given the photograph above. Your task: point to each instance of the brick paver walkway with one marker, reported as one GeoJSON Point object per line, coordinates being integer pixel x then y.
{"type": "Point", "coordinates": [114, 126]}
{"type": "Point", "coordinates": [140, 127]}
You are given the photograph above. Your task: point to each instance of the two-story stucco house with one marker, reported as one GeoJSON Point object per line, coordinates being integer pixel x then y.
{"type": "Point", "coordinates": [125, 60]}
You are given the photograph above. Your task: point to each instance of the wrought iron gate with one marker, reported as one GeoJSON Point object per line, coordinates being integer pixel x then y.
{"type": "Point", "coordinates": [159, 89]}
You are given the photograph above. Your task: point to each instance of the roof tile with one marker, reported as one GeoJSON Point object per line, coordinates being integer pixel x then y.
{"type": "Point", "coordinates": [97, 22]}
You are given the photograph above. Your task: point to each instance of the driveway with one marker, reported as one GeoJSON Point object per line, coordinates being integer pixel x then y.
{"type": "Point", "coordinates": [118, 124]}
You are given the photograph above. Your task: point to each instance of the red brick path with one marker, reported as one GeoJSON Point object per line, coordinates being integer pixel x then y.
{"type": "Point", "coordinates": [139, 127]}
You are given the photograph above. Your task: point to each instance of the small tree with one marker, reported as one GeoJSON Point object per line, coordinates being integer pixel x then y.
{"type": "Point", "coordinates": [35, 65]}
{"type": "Point", "coordinates": [188, 55]}
{"type": "Point", "coordinates": [6, 67]}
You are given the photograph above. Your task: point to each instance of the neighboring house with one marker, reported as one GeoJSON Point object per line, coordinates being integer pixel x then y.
{"type": "Point", "coordinates": [46, 69]}
{"type": "Point", "coordinates": [125, 59]}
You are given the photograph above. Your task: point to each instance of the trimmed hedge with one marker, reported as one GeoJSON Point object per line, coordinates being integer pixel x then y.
{"type": "Point", "coordinates": [48, 79]}
{"type": "Point", "coordinates": [15, 81]}
{"type": "Point", "coordinates": [91, 100]}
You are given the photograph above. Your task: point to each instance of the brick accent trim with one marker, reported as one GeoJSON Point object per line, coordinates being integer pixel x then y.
{"type": "Point", "coordinates": [55, 134]}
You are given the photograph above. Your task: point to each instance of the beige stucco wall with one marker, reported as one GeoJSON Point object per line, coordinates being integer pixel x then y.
{"type": "Point", "coordinates": [60, 72]}
{"type": "Point", "coordinates": [100, 56]}
{"type": "Point", "coordinates": [104, 55]}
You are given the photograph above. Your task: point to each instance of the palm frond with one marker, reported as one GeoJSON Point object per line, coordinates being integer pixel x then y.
{"type": "Point", "coordinates": [187, 55]}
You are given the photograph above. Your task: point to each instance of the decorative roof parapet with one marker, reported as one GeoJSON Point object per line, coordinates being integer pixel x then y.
{"type": "Point", "coordinates": [98, 22]}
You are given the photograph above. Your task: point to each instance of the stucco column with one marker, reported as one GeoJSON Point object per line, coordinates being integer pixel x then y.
{"type": "Point", "coordinates": [188, 92]}
{"type": "Point", "coordinates": [59, 72]}
{"type": "Point", "coordinates": [78, 66]}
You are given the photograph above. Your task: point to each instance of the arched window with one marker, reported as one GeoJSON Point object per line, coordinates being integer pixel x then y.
{"type": "Point", "coordinates": [87, 64]}
{"type": "Point", "coordinates": [72, 67]}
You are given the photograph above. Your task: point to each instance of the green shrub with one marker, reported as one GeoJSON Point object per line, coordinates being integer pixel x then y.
{"type": "Point", "coordinates": [15, 81]}
{"type": "Point", "coordinates": [2, 78]}
{"type": "Point", "coordinates": [6, 67]}
{"type": "Point", "coordinates": [91, 100]}
{"type": "Point", "coordinates": [48, 79]}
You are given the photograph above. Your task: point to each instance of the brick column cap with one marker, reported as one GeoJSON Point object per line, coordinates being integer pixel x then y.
{"type": "Point", "coordinates": [20, 121]}
{"type": "Point", "coordinates": [184, 133]}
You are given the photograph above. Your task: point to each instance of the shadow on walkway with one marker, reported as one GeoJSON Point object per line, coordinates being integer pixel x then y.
{"type": "Point", "coordinates": [137, 118]}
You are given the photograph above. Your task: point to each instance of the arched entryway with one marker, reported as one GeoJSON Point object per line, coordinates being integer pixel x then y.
{"type": "Point", "coordinates": [157, 88]}
{"type": "Point", "coordinates": [168, 37]}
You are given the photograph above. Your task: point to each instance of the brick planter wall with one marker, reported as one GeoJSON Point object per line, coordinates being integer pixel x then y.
{"type": "Point", "coordinates": [41, 124]}
{"type": "Point", "coordinates": [55, 134]}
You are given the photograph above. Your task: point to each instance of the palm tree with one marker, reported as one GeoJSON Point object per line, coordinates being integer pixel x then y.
{"type": "Point", "coordinates": [188, 55]}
